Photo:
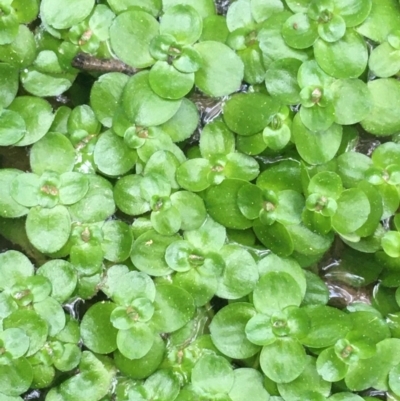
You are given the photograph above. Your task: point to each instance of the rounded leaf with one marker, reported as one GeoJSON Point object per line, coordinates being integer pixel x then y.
{"type": "Point", "coordinates": [12, 127]}
{"type": "Point", "coordinates": [247, 114]}
{"type": "Point", "coordinates": [351, 111]}
{"type": "Point", "coordinates": [32, 324]}
{"type": "Point", "coordinates": [38, 116]}
{"type": "Point", "coordinates": [48, 229]}
{"type": "Point", "coordinates": [383, 120]}
{"type": "Point", "coordinates": [316, 147]}
{"type": "Point", "coordinates": [9, 207]}
{"type": "Point", "coordinates": [62, 276]}
{"type": "Point", "coordinates": [284, 360]}
{"type": "Point", "coordinates": [65, 13]}
{"type": "Point", "coordinates": [222, 70]}
{"type": "Point", "coordinates": [101, 341]}
{"type": "Point", "coordinates": [275, 291]}
{"type": "Point", "coordinates": [139, 102]}
{"type": "Point", "coordinates": [112, 156]}
{"type": "Point", "coordinates": [105, 95]}
{"type": "Point", "coordinates": [137, 28]}
{"type": "Point", "coordinates": [228, 330]}
{"type": "Point", "coordinates": [221, 203]}
{"type": "Point", "coordinates": [173, 308]}
{"type": "Point", "coordinates": [135, 342]}
{"type": "Point", "coordinates": [212, 374]}
{"type": "Point", "coordinates": [169, 83]}
{"type": "Point", "coordinates": [345, 58]}
{"type": "Point", "coordinates": [15, 378]}
{"type": "Point", "coordinates": [281, 80]}
{"type": "Point", "coordinates": [182, 22]}
{"type": "Point", "coordinates": [148, 252]}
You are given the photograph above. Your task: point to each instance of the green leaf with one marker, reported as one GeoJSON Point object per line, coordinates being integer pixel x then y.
{"type": "Point", "coordinates": [354, 12]}
{"type": "Point", "coordinates": [345, 58]}
{"type": "Point", "coordinates": [53, 152]}
{"type": "Point", "coordinates": [373, 372]}
{"type": "Point", "coordinates": [8, 84]}
{"type": "Point", "coordinates": [275, 236]}
{"type": "Point", "coordinates": [87, 258]}
{"type": "Point", "coordinates": [34, 326]}
{"type": "Point", "coordinates": [330, 366]}
{"type": "Point", "coordinates": [9, 26]}
{"type": "Point", "coordinates": [8, 206]}
{"type": "Point", "coordinates": [228, 330]}
{"type": "Point", "coordinates": [141, 368]}
{"type": "Point", "coordinates": [281, 80]}
{"type": "Point", "coordinates": [139, 102]}
{"type": "Point", "coordinates": [21, 268]}
{"type": "Point", "coordinates": [239, 15]}
{"type": "Point", "coordinates": [62, 276]}
{"type": "Point", "coordinates": [248, 384]}
{"type": "Point", "coordinates": [15, 377]}
{"type": "Point", "coordinates": [148, 252]}
{"type": "Point", "coordinates": [210, 236]}
{"type": "Point", "coordinates": [240, 274]}
{"type": "Point", "coordinates": [51, 311]}
{"type": "Point", "coordinates": [327, 326]}
{"type": "Point", "coordinates": [352, 211]}
{"type": "Point", "coordinates": [182, 22]}
{"type": "Point", "coordinates": [316, 147]}
{"type": "Point", "coordinates": [136, 341]}
{"type": "Point", "coordinates": [22, 51]}
{"type": "Point", "coordinates": [173, 308]}
{"type": "Point", "coordinates": [169, 83]}
{"type": "Point", "coordinates": [98, 315]}
{"type": "Point", "coordinates": [272, 43]}
{"type": "Point", "coordinates": [382, 120]}
{"type": "Point", "coordinates": [384, 60]}
{"type": "Point", "coordinates": [299, 31]}
{"type": "Point", "coordinates": [259, 330]}
{"type": "Point", "coordinates": [203, 7]}
{"type": "Point", "coordinates": [391, 243]}
{"type": "Point", "coordinates": [15, 342]}
{"type": "Point", "coordinates": [247, 114]}
{"type": "Point", "coordinates": [105, 95]}
{"type": "Point", "coordinates": [284, 360]}
{"type": "Point", "coordinates": [112, 156]}
{"type": "Point", "coordinates": [128, 197]}
{"type": "Point", "coordinates": [222, 70]}
{"type": "Point", "coordinates": [317, 291]}
{"type": "Point", "coordinates": [216, 139]}
{"type": "Point", "coordinates": [221, 203]}
{"type": "Point", "coordinates": [183, 123]}
{"type": "Point", "coordinates": [38, 117]}
{"type": "Point", "coordinates": [274, 263]}
{"type": "Point", "coordinates": [308, 379]}
{"type": "Point", "coordinates": [138, 28]}
{"type": "Point", "coordinates": [352, 100]}
{"type": "Point", "coordinates": [332, 30]}
{"type": "Point", "coordinates": [191, 209]}
{"type": "Point", "coordinates": [97, 204]}
{"type": "Point", "coordinates": [91, 383]}
{"type": "Point", "coordinates": [280, 288]}
{"type": "Point", "coordinates": [65, 13]}
{"type": "Point", "coordinates": [213, 375]}
{"type": "Point", "coordinates": [117, 241]}
{"type": "Point", "coordinates": [383, 18]}
{"type": "Point", "coordinates": [193, 174]}
{"type": "Point", "coordinates": [162, 385]}
{"type": "Point", "coordinates": [73, 187]}
{"type": "Point", "coordinates": [48, 229]}
{"type": "Point", "coordinates": [151, 6]}
{"type": "Point", "coordinates": [12, 127]}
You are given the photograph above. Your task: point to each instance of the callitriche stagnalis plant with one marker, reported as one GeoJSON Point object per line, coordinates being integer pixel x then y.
{"type": "Point", "coordinates": [199, 200]}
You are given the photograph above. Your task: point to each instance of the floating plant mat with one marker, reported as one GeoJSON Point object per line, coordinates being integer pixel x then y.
{"type": "Point", "coordinates": [199, 200]}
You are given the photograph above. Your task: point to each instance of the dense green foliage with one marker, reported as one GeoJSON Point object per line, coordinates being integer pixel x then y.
{"type": "Point", "coordinates": [181, 194]}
